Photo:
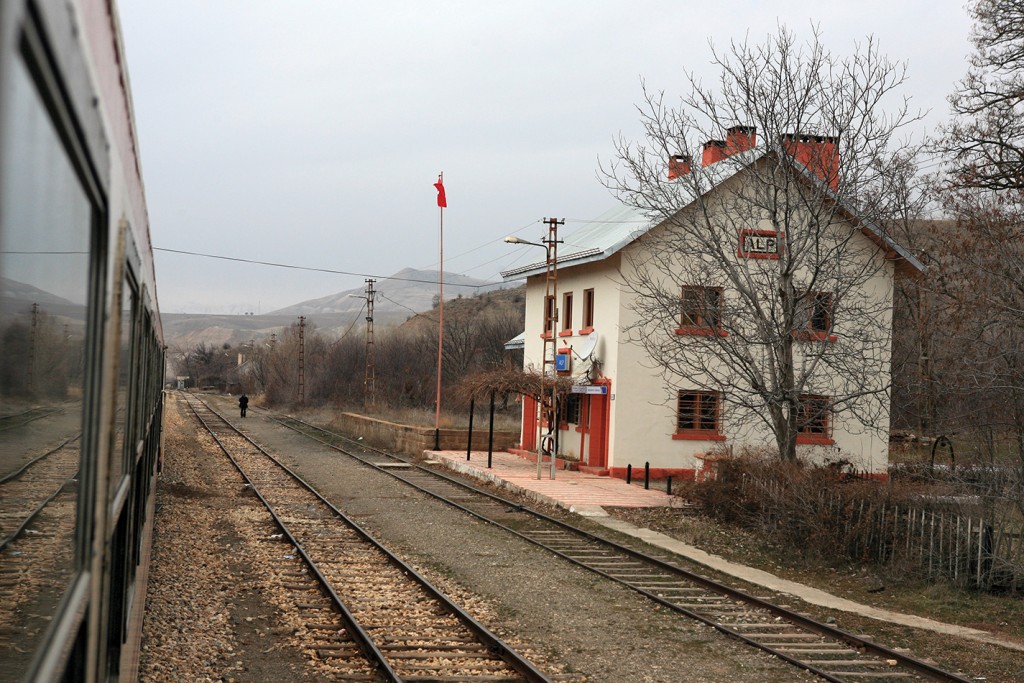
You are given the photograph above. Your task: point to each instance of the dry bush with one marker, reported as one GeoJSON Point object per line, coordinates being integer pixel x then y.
{"type": "Point", "coordinates": [818, 513]}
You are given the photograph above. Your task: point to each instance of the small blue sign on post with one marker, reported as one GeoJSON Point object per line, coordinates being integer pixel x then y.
{"type": "Point", "coordinates": [562, 362]}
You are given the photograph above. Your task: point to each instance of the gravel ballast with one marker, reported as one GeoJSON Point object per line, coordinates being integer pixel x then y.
{"type": "Point", "coordinates": [214, 612]}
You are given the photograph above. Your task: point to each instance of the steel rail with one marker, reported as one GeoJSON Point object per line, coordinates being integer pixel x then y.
{"type": "Point", "coordinates": [21, 470]}
{"type": "Point", "coordinates": [518, 663]}
{"type": "Point", "coordinates": [45, 412]}
{"type": "Point", "coordinates": [35, 513]}
{"type": "Point", "coordinates": [362, 638]}
{"type": "Point", "coordinates": [800, 620]}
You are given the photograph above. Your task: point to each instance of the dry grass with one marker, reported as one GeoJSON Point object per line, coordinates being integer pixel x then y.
{"type": "Point", "coordinates": [1000, 614]}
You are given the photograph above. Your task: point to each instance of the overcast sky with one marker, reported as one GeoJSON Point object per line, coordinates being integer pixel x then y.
{"type": "Point", "coordinates": [310, 133]}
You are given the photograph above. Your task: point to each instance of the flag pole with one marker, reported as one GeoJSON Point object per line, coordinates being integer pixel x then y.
{"type": "Point", "coordinates": [441, 203]}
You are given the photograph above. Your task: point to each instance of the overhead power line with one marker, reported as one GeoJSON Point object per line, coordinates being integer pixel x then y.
{"type": "Point", "coordinates": [320, 270]}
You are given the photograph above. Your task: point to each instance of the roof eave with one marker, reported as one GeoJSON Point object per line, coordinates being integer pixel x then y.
{"type": "Point", "coordinates": [541, 268]}
{"type": "Point", "coordinates": [893, 249]}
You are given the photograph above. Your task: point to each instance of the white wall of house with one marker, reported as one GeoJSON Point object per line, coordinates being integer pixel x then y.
{"type": "Point", "coordinates": [644, 412]}
{"type": "Point", "coordinates": [643, 409]}
{"type": "Point", "coordinates": [603, 278]}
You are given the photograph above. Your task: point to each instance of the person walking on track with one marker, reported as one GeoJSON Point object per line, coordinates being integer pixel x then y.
{"type": "Point", "coordinates": [243, 403]}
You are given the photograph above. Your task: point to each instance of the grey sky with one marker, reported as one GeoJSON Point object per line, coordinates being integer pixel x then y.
{"type": "Point", "coordinates": [311, 132]}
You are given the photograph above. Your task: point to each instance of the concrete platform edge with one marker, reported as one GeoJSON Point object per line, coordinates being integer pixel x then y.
{"type": "Point", "coordinates": [807, 593]}
{"type": "Point", "coordinates": [471, 471]}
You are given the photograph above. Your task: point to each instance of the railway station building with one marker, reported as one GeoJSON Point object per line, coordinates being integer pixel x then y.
{"type": "Point", "coordinates": [623, 409]}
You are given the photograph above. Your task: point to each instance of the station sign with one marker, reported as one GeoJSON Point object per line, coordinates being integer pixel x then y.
{"type": "Point", "coordinates": [589, 389]}
{"type": "Point", "coordinates": [759, 244]}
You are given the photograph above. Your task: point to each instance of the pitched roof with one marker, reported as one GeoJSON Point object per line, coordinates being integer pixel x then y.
{"type": "Point", "coordinates": [517, 342]}
{"type": "Point", "coordinates": [610, 232]}
{"type": "Point", "coordinates": [596, 240]}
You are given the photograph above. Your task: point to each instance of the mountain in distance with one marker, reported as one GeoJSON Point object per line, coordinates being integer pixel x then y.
{"type": "Point", "coordinates": [17, 298]}
{"type": "Point", "coordinates": [399, 297]}
{"type": "Point", "coordinates": [405, 293]}
{"type": "Point", "coordinates": [24, 293]}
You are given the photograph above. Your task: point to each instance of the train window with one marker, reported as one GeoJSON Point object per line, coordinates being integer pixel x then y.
{"type": "Point", "coordinates": [46, 231]}
{"type": "Point", "coordinates": [124, 431]}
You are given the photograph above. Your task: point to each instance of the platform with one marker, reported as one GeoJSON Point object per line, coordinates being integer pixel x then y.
{"type": "Point", "coordinates": [579, 492]}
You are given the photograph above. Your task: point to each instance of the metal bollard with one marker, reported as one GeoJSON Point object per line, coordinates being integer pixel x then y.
{"type": "Point", "coordinates": [668, 490]}
{"type": "Point", "coordinates": [647, 475]}
{"type": "Point", "coordinates": [490, 433]}
{"type": "Point", "coordinates": [469, 438]}
{"type": "Point", "coordinates": [629, 474]}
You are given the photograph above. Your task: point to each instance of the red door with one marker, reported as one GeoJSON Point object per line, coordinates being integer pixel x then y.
{"type": "Point", "coordinates": [599, 418]}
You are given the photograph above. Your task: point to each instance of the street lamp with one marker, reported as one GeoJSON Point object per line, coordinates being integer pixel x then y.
{"type": "Point", "coordinates": [550, 313]}
{"type": "Point", "coordinates": [512, 239]}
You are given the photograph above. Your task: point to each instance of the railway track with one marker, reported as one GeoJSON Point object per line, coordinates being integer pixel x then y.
{"type": "Point", "coordinates": [36, 564]}
{"type": "Point", "coordinates": [822, 649]}
{"type": "Point", "coordinates": [15, 420]}
{"type": "Point", "coordinates": [30, 488]}
{"type": "Point", "coordinates": [372, 616]}
{"type": "Point", "coordinates": [38, 504]}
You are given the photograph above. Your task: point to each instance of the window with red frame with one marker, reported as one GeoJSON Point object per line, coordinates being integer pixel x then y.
{"type": "Point", "coordinates": [815, 313]}
{"type": "Point", "coordinates": [588, 310]}
{"type": "Point", "coordinates": [814, 421]}
{"type": "Point", "coordinates": [571, 409]}
{"type": "Point", "coordinates": [549, 315]}
{"type": "Point", "coordinates": [567, 312]}
{"type": "Point", "coordinates": [701, 308]}
{"type": "Point", "coordinates": [698, 412]}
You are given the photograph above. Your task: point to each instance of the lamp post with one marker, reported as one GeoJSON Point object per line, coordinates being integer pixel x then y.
{"type": "Point", "coordinates": [547, 404]}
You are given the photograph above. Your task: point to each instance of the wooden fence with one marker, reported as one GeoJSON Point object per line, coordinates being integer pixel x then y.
{"type": "Point", "coordinates": [967, 550]}
{"type": "Point", "coordinates": [971, 541]}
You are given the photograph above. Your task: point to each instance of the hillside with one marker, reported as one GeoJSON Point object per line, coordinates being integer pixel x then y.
{"type": "Point", "coordinates": [489, 305]}
{"type": "Point", "coordinates": [400, 298]}
{"type": "Point", "coordinates": [407, 291]}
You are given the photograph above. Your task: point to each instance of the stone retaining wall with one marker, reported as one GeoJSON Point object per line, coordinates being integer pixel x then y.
{"type": "Point", "coordinates": [413, 440]}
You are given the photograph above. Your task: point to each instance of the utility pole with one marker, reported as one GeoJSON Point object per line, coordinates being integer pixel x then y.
{"type": "Point", "coordinates": [302, 359]}
{"type": "Point", "coordinates": [547, 402]}
{"type": "Point", "coordinates": [549, 377]}
{"type": "Point", "coordinates": [32, 348]}
{"type": "Point", "coordinates": [369, 379]}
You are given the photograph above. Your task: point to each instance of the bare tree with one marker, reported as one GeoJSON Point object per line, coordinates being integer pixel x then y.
{"type": "Point", "coordinates": [41, 358]}
{"type": "Point", "coordinates": [406, 367]}
{"type": "Point", "coordinates": [805, 331]}
{"type": "Point", "coordinates": [494, 331]}
{"type": "Point", "coordinates": [983, 281]}
{"type": "Point", "coordinates": [281, 367]}
{"type": "Point", "coordinates": [344, 371]}
{"type": "Point", "coordinates": [987, 135]}
{"type": "Point", "coordinates": [925, 359]}
{"type": "Point", "coordinates": [205, 364]}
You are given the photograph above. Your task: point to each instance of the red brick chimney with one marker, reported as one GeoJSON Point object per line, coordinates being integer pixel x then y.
{"type": "Point", "coordinates": [714, 150]}
{"type": "Point", "coordinates": [740, 139]}
{"type": "Point", "coordinates": [819, 153]}
{"type": "Point", "coordinates": [678, 165]}
{"type": "Point", "coordinates": [737, 139]}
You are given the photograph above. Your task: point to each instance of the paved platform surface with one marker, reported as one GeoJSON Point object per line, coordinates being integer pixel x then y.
{"type": "Point", "coordinates": [582, 493]}
{"type": "Point", "coordinates": [586, 494]}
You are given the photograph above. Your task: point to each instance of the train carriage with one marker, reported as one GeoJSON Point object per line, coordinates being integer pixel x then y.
{"type": "Point", "coordinates": [81, 369]}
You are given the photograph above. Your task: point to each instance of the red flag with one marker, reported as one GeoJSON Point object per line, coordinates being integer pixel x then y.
{"type": "Point", "coordinates": [441, 201]}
